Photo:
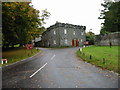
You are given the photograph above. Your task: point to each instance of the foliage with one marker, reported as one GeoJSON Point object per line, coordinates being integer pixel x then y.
{"type": "Point", "coordinates": [41, 30]}
{"type": "Point", "coordinates": [111, 16]}
{"type": "Point", "coordinates": [90, 36]}
{"type": "Point", "coordinates": [45, 15]}
{"type": "Point", "coordinates": [97, 53]}
{"type": "Point", "coordinates": [20, 23]}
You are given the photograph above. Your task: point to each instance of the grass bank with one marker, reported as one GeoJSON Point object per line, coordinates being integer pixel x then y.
{"type": "Point", "coordinates": [18, 54]}
{"type": "Point", "coordinates": [102, 56]}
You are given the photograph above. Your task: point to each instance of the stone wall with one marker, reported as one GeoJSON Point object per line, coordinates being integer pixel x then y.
{"type": "Point", "coordinates": [105, 40]}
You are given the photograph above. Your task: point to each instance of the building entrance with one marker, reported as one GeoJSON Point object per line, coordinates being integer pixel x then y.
{"type": "Point", "coordinates": [74, 42]}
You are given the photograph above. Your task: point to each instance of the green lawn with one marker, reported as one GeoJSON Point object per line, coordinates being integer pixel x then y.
{"type": "Point", "coordinates": [102, 56]}
{"type": "Point", "coordinates": [18, 54]}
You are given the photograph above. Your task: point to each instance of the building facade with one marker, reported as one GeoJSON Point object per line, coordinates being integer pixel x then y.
{"type": "Point", "coordinates": [63, 34]}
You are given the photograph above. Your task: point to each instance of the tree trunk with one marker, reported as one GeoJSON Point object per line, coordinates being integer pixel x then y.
{"type": "Point", "coordinates": [12, 45]}
{"type": "Point", "coordinates": [7, 46]}
{"type": "Point", "coordinates": [20, 45]}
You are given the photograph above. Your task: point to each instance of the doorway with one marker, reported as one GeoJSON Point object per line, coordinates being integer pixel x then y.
{"type": "Point", "coordinates": [75, 42]}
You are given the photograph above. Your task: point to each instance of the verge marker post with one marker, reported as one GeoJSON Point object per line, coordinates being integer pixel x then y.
{"type": "Point", "coordinates": [103, 60]}
{"type": "Point", "coordinates": [36, 48]}
{"type": "Point", "coordinates": [4, 60]}
{"type": "Point", "coordinates": [81, 49]}
{"type": "Point", "coordinates": [90, 56]}
{"type": "Point", "coordinates": [83, 54]}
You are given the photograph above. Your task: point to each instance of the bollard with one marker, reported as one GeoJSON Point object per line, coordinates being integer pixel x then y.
{"type": "Point", "coordinates": [90, 56]}
{"type": "Point", "coordinates": [4, 60]}
{"type": "Point", "coordinates": [80, 49]}
{"type": "Point", "coordinates": [36, 48]}
{"type": "Point", "coordinates": [83, 54]}
{"type": "Point", "coordinates": [103, 60]}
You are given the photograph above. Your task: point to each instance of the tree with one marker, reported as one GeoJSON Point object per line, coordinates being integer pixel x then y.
{"type": "Point", "coordinates": [20, 23]}
{"type": "Point", "coordinates": [45, 15]}
{"type": "Point", "coordinates": [111, 16]}
{"type": "Point", "coordinates": [90, 36]}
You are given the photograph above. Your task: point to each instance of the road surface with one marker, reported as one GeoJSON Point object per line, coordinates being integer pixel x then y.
{"type": "Point", "coordinates": [58, 68]}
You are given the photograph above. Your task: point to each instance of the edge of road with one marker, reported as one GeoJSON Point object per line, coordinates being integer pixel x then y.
{"type": "Point", "coordinates": [21, 61]}
{"type": "Point", "coordinates": [111, 71]}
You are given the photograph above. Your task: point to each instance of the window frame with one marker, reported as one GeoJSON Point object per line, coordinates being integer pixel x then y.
{"type": "Point", "coordinates": [65, 31]}
{"type": "Point", "coordinates": [54, 41]}
{"type": "Point", "coordinates": [74, 32]}
{"type": "Point", "coordinates": [81, 40]}
{"type": "Point", "coordinates": [82, 33]}
{"type": "Point", "coordinates": [54, 32]}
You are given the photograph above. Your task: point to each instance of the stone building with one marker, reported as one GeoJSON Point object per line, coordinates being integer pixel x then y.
{"type": "Point", "coordinates": [63, 34]}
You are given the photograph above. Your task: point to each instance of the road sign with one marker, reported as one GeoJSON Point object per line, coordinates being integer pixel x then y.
{"type": "Point", "coordinates": [29, 46]}
{"type": "Point", "coordinates": [86, 43]}
{"type": "Point", "coordinates": [4, 60]}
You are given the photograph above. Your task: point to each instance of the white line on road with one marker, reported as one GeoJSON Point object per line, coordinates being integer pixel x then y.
{"type": "Point", "coordinates": [41, 67]}
{"type": "Point", "coordinates": [38, 70]}
{"type": "Point", "coordinates": [53, 56]}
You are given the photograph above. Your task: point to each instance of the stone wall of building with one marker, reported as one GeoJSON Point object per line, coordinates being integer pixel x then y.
{"type": "Point", "coordinates": [62, 34]}
{"type": "Point", "coordinates": [105, 40]}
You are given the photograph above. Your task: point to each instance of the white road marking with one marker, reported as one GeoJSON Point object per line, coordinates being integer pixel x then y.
{"type": "Point", "coordinates": [38, 70]}
{"type": "Point", "coordinates": [53, 56]}
{"type": "Point", "coordinates": [41, 67]}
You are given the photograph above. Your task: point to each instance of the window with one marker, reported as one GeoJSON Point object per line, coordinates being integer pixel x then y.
{"type": "Point", "coordinates": [65, 41]}
{"type": "Point", "coordinates": [74, 32]}
{"type": "Point", "coordinates": [81, 40]}
{"type": "Point", "coordinates": [81, 33]}
{"type": "Point", "coordinates": [54, 41]}
{"type": "Point", "coordinates": [54, 32]}
{"type": "Point", "coordinates": [65, 31]}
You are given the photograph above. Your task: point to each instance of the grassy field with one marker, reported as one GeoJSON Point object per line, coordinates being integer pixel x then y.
{"type": "Point", "coordinates": [18, 54]}
{"type": "Point", "coordinates": [102, 56]}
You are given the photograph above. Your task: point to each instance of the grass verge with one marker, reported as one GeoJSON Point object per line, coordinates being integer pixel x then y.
{"type": "Point", "coordinates": [18, 54]}
{"type": "Point", "coordinates": [101, 56]}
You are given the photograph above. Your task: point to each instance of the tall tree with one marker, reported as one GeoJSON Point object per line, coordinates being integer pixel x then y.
{"type": "Point", "coordinates": [20, 23]}
{"type": "Point", "coordinates": [111, 16]}
{"type": "Point", "coordinates": [90, 36]}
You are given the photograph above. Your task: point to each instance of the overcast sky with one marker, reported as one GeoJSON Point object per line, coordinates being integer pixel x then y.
{"type": "Point", "coordinates": [77, 12]}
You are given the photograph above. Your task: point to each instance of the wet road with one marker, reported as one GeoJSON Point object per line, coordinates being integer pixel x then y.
{"type": "Point", "coordinates": [58, 68]}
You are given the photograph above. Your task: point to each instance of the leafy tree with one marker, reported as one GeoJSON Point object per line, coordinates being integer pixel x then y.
{"type": "Point", "coordinates": [45, 15]}
{"type": "Point", "coordinates": [90, 36]}
{"type": "Point", "coordinates": [111, 16]}
{"type": "Point", "coordinates": [20, 23]}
